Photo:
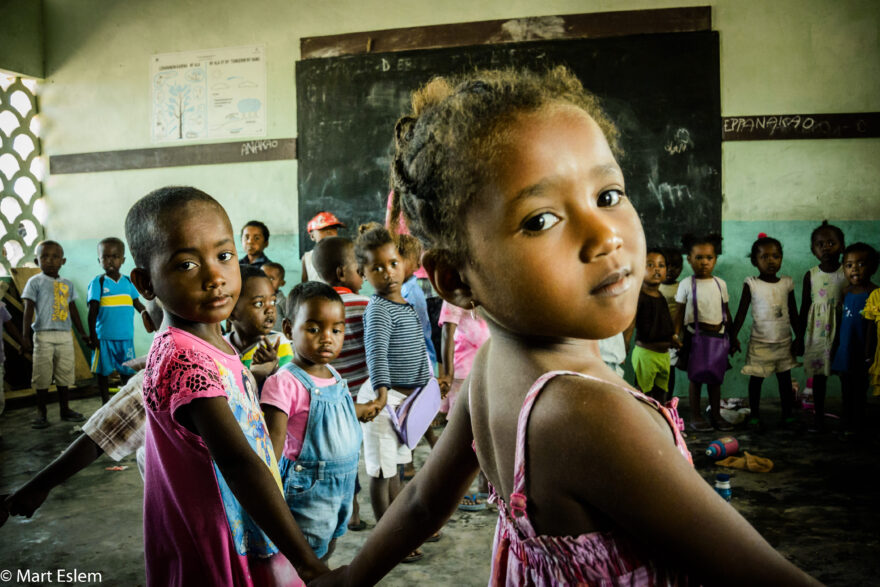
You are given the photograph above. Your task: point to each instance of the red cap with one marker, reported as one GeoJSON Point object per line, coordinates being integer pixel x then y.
{"type": "Point", "coordinates": [323, 220]}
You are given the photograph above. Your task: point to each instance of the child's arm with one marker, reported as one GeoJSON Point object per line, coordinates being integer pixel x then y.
{"type": "Point", "coordinates": [81, 453]}
{"type": "Point", "coordinates": [446, 368]}
{"type": "Point", "coordinates": [94, 306]}
{"type": "Point", "coordinates": [627, 334]}
{"type": "Point", "coordinates": [27, 317]}
{"type": "Point", "coordinates": [679, 320]}
{"type": "Point", "coordinates": [745, 301]}
{"type": "Point", "coordinates": [77, 321]}
{"type": "Point", "coordinates": [304, 272]}
{"type": "Point", "coordinates": [422, 507]}
{"type": "Point", "coordinates": [276, 422]}
{"type": "Point", "coordinates": [138, 306]}
{"type": "Point", "coordinates": [793, 319]}
{"type": "Point", "coordinates": [250, 480]}
{"type": "Point", "coordinates": [13, 331]}
{"type": "Point", "coordinates": [801, 325]}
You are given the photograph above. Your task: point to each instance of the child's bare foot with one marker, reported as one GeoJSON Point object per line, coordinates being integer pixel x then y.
{"type": "Point", "coordinates": [357, 526]}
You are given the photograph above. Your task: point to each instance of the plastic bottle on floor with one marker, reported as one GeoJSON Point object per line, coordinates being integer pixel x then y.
{"type": "Point", "coordinates": [723, 447]}
{"type": "Point", "coordinates": [722, 485]}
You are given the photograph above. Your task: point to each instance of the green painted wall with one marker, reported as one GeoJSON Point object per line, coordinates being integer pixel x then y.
{"type": "Point", "coordinates": [785, 56]}
{"type": "Point", "coordinates": [21, 41]}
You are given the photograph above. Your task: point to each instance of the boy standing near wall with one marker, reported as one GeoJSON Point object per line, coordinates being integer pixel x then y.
{"type": "Point", "coordinates": [112, 301]}
{"type": "Point", "coordinates": [49, 311]}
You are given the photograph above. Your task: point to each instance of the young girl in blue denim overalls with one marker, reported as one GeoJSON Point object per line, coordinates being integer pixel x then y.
{"type": "Point", "coordinates": [312, 420]}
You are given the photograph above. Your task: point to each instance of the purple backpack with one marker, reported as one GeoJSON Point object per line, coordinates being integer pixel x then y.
{"type": "Point", "coordinates": [414, 415]}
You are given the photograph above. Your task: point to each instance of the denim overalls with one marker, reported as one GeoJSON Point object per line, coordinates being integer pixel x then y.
{"type": "Point", "coordinates": [319, 485]}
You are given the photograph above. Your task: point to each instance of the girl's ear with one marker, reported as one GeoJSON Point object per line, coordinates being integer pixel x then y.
{"type": "Point", "coordinates": [141, 280]}
{"type": "Point", "coordinates": [447, 279]}
{"type": "Point", "coordinates": [287, 328]}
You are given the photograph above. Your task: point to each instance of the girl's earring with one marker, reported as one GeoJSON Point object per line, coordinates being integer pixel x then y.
{"type": "Point", "coordinates": [473, 310]}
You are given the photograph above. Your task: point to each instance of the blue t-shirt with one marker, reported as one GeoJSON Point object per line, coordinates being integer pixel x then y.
{"type": "Point", "coordinates": [51, 298]}
{"type": "Point", "coordinates": [116, 313]}
{"type": "Point", "coordinates": [412, 292]}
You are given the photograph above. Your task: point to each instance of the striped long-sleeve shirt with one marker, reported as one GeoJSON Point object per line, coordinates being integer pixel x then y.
{"type": "Point", "coordinates": [352, 360]}
{"type": "Point", "coordinates": [396, 354]}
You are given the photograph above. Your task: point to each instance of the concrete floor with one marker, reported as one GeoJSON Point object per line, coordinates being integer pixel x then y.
{"type": "Point", "coordinates": [818, 507]}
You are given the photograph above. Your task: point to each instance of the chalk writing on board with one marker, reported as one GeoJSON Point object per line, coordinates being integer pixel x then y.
{"type": "Point", "coordinates": [801, 126]}
{"type": "Point", "coordinates": [668, 194]}
{"type": "Point", "coordinates": [680, 143]}
{"type": "Point", "coordinates": [254, 147]}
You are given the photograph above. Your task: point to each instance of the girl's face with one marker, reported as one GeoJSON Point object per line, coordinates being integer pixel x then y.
{"type": "Point", "coordinates": [769, 259]}
{"type": "Point", "coordinates": [702, 259]}
{"type": "Point", "coordinates": [827, 246]}
{"type": "Point", "coordinates": [252, 240]}
{"type": "Point", "coordinates": [673, 269]}
{"type": "Point", "coordinates": [352, 278]}
{"type": "Point", "coordinates": [254, 314]}
{"type": "Point", "coordinates": [194, 270]}
{"type": "Point", "coordinates": [856, 267]}
{"type": "Point", "coordinates": [317, 330]}
{"type": "Point", "coordinates": [384, 269]}
{"type": "Point", "coordinates": [655, 269]}
{"type": "Point", "coordinates": [555, 247]}
{"type": "Point", "coordinates": [321, 233]}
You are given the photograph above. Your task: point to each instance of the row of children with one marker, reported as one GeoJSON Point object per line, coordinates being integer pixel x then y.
{"type": "Point", "coordinates": [510, 180]}
{"type": "Point", "coordinates": [835, 330]}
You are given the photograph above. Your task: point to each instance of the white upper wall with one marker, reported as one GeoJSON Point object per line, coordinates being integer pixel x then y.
{"type": "Point", "coordinates": [777, 57]}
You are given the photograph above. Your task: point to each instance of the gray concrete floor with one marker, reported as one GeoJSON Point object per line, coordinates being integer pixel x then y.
{"type": "Point", "coordinates": [818, 507]}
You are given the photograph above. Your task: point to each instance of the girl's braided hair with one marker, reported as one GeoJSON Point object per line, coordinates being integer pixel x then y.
{"type": "Point", "coordinates": [445, 148]}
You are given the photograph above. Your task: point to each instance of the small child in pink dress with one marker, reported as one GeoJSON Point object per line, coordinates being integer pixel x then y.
{"type": "Point", "coordinates": [213, 506]}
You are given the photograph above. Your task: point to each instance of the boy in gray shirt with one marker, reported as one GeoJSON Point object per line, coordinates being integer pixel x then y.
{"type": "Point", "coordinates": [49, 311]}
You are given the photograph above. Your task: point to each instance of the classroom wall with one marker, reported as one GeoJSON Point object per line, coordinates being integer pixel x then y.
{"type": "Point", "coordinates": [785, 56]}
{"type": "Point", "coordinates": [21, 44]}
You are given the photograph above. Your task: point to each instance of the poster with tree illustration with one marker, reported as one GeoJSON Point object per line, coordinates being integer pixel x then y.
{"type": "Point", "coordinates": [208, 94]}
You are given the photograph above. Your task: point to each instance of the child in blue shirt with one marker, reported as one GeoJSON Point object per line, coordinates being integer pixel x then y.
{"type": "Point", "coordinates": [112, 300]}
{"type": "Point", "coordinates": [49, 310]}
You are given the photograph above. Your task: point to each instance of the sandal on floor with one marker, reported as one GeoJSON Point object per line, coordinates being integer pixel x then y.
{"type": "Point", "coordinates": [358, 527]}
{"type": "Point", "coordinates": [71, 416]}
{"type": "Point", "coordinates": [471, 503]}
{"type": "Point", "coordinates": [434, 537]}
{"type": "Point", "coordinates": [722, 425]}
{"type": "Point", "coordinates": [39, 423]}
{"type": "Point", "coordinates": [702, 426]}
{"type": "Point", "coordinates": [413, 556]}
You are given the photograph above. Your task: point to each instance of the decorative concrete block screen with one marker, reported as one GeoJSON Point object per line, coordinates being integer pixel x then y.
{"type": "Point", "coordinates": [22, 208]}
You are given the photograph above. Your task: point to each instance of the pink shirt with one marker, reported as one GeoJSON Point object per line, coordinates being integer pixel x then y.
{"type": "Point", "coordinates": [285, 392]}
{"type": "Point", "coordinates": [470, 334]}
{"type": "Point", "coordinates": [194, 531]}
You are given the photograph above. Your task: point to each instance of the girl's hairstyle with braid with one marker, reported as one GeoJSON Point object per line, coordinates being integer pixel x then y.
{"type": "Point", "coordinates": [445, 148]}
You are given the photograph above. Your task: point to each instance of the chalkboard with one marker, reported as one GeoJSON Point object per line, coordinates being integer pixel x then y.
{"type": "Point", "coordinates": [662, 90]}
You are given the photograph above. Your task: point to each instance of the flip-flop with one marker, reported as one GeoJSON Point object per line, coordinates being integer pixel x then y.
{"type": "Point", "coordinates": [361, 525]}
{"type": "Point", "coordinates": [434, 537]}
{"type": "Point", "coordinates": [39, 423]}
{"type": "Point", "coordinates": [72, 416]}
{"type": "Point", "coordinates": [413, 556]}
{"type": "Point", "coordinates": [475, 506]}
{"type": "Point", "coordinates": [701, 427]}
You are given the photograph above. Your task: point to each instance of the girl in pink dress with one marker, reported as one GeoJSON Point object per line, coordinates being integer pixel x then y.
{"type": "Point", "coordinates": [511, 182]}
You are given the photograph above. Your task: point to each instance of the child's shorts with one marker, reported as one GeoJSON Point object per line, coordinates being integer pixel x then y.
{"type": "Point", "coordinates": [652, 369]}
{"type": "Point", "coordinates": [383, 450]}
{"type": "Point", "coordinates": [53, 356]}
{"type": "Point", "coordinates": [766, 358]}
{"type": "Point", "coordinates": [110, 356]}
{"type": "Point", "coordinates": [319, 495]}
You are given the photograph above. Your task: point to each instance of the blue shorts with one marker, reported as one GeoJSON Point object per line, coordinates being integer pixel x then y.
{"type": "Point", "coordinates": [319, 496]}
{"type": "Point", "coordinates": [110, 355]}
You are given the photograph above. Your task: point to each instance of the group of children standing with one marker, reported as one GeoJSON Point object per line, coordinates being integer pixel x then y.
{"type": "Point", "coordinates": [695, 332]}
{"type": "Point", "coordinates": [510, 180]}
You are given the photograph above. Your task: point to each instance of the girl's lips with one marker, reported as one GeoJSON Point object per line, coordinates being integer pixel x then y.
{"type": "Point", "coordinates": [615, 284]}
{"type": "Point", "coordinates": [218, 302]}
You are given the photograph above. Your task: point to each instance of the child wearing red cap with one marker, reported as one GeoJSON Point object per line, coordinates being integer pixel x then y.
{"type": "Point", "coordinates": [324, 224]}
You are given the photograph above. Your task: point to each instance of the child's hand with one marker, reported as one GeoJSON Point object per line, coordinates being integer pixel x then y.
{"type": "Point", "coordinates": [676, 342]}
{"type": "Point", "coordinates": [27, 347]}
{"type": "Point", "coordinates": [445, 382]}
{"type": "Point", "coordinates": [734, 347]}
{"type": "Point", "coordinates": [25, 502]}
{"type": "Point", "coordinates": [266, 352]}
{"type": "Point", "coordinates": [335, 577]}
{"type": "Point", "coordinates": [92, 342]}
{"type": "Point", "coordinates": [798, 347]}
{"type": "Point", "coordinates": [367, 412]}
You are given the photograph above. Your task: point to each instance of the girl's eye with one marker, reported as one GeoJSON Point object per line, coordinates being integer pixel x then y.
{"type": "Point", "coordinates": [273, 302]}
{"type": "Point", "coordinates": [540, 222]}
{"type": "Point", "coordinates": [610, 198]}
{"type": "Point", "coordinates": [258, 304]}
{"type": "Point", "coordinates": [186, 266]}
{"type": "Point", "coordinates": [225, 256]}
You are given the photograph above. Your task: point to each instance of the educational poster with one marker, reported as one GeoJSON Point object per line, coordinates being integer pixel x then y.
{"type": "Point", "coordinates": [210, 94]}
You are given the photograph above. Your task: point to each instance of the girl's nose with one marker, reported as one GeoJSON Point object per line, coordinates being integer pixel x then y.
{"type": "Point", "coordinates": [213, 276]}
{"type": "Point", "coordinates": [599, 234]}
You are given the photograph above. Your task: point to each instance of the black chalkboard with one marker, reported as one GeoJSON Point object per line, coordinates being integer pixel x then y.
{"type": "Point", "coordinates": [662, 90]}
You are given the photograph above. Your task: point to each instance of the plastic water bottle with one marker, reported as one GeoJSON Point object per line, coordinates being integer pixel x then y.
{"type": "Point", "coordinates": [723, 447]}
{"type": "Point", "coordinates": [807, 396]}
{"type": "Point", "coordinates": [722, 485]}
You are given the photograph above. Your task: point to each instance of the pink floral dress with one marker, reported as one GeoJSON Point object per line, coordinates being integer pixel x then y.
{"type": "Point", "coordinates": [827, 294]}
